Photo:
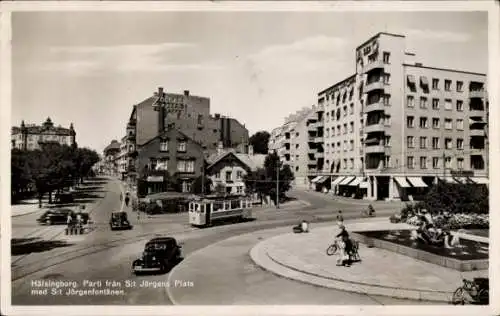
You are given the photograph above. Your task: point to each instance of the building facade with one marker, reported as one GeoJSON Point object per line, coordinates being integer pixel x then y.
{"type": "Point", "coordinates": [395, 127]}
{"type": "Point", "coordinates": [228, 168]}
{"type": "Point", "coordinates": [167, 158]}
{"type": "Point", "coordinates": [290, 141]}
{"type": "Point", "coordinates": [111, 156]}
{"type": "Point", "coordinates": [29, 137]}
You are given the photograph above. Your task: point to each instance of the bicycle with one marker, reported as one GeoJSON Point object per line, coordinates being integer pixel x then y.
{"type": "Point", "coordinates": [353, 254]}
{"type": "Point", "coordinates": [472, 292]}
{"type": "Point", "coordinates": [370, 212]}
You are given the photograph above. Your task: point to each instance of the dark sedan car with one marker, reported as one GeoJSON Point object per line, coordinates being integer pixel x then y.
{"type": "Point", "coordinates": [119, 220]}
{"type": "Point", "coordinates": [158, 255]}
{"type": "Point", "coordinates": [60, 216]}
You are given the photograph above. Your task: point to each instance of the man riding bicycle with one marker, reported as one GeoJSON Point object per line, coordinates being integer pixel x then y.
{"type": "Point", "coordinates": [344, 239]}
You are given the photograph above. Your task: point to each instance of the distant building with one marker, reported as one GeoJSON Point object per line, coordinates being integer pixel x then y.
{"type": "Point", "coordinates": [111, 158]}
{"type": "Point", "coordinates": [29, 137]}
{"type": "Point", "coordinates": [170, 156]}
{"type": "Point", "coordinates": [227, 168]}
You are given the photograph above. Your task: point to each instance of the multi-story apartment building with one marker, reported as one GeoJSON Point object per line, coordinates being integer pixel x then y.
{"type": "Point", "coordinates": [29, 137]}
{"type": "Point", "coordinates": [122, 158]}
{"type": "Point", "coordinates": [290, 141]}
{"type": "Point", "coordinates": [111, 156]}
{"type": "Point", "coordinates": [396, 126]}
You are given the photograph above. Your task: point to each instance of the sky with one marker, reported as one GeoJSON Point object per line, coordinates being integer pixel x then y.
{"type": "Point", "coordinates": [90, 68]}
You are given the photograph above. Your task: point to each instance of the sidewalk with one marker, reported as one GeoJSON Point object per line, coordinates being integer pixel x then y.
{"type": "Point", "coordinates": [25, 208]}
{"type": "Point", "coordinates": [302, 257]}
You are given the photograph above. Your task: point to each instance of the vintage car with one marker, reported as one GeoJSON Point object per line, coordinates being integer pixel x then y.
{"type": "Point", "coordinates": [158, 255]}
{"type": "Point", "coordinates": [119, 220]}
{"type": "Point", "coordinates": [60, 216]}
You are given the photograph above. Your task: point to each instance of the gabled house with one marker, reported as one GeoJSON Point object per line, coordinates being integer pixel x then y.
{"type": "Point", "coordinates": [228, 168]}
{"type": "Point", "coordinates": [170, 161]}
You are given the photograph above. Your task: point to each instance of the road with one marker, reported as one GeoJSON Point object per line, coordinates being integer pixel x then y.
{"type": "Point", "coordinates": [105, 255]}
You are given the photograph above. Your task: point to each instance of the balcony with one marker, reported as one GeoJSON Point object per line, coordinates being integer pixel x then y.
{"type": "Point", "coordinates": [311, 139]}
{"type": "Point", "coordinates": [477, 94]}
{"type": "Point", "coordinates": [378, 106]}
{"type": "Point", "coordinates": [378, 64]}
{"type": "Point", "coordinates": [477, 132]}
{"type": "Point", "coordinates": [318, 139]}
{"type": "Point", "coordinates": [320, 155]}
{"type": "Point", "coordinates": [376, 85]}
{"type": "Point", "coordinates": [312, 151]}
{"type": "Point", "coordinates": [379, 127]}
{"type": "Point", "coordinates": [375, 149]}
{"type": "Point", "coordinates": [476, 113]}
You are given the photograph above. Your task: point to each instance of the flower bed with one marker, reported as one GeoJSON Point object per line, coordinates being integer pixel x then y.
{"type": "Point", "coordinates": [455, 221]}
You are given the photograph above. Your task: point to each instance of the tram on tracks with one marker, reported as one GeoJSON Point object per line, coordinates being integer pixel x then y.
{"type": "Point", "coordinates": [204, 211]}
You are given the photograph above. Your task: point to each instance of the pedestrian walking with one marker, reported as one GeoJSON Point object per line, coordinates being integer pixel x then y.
{"type": "Point", "coordinates": [127, 200]}
{"type": "Point", "coordinates": [340, 219]}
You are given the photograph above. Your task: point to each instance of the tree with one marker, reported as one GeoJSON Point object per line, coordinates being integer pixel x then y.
{"type": "Point", "coordinates": [197, 189]}
{"type": "Point", "coordinates": [260, 142]}
{"type": "Point", "coordinates": [457, 198]}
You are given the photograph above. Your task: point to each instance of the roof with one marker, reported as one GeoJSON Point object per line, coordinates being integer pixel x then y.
{"type": "Point", "coordinates": [36, 129]}
{"type": "Point", "coordinates": [445, 69]}
{"type": "Point", "coordinates": [113, 145]}
{"type": "Point", "coordinates": [253, 162]}
{"type": "Point", "coordinates": [167, 132]}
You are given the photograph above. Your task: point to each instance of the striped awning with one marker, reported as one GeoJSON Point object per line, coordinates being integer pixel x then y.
{"type": "Point", "coordinates": [402, 182]}
{"type": "Point", "coordinates": [411, 79]}
{"type": "Point", "coordinates": [346, 180]}
{"type": "Point", "coordinates": [338, 180]}
{"type": "Point", "coordinates": [417, 182]}
{"type": "Point", "coordinates": [323, 179]}
{"type": "Point", "coordinates": [356, 181]}
{"type": "Point", "coordinates": [316, 179]}
{"type": "Point", "coordinates": [423, 81]}
{"type": "Point", "coordinates": [480, 180]}
{"type": "Point", "coordinates": [364, 185]}
{"type": "Point", "coordinates": [447, 179]}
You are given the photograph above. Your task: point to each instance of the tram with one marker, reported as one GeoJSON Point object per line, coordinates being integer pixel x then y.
{"type": "Point", "coordinates": [204, 211]}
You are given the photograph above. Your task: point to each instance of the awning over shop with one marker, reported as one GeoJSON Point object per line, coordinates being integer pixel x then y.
{"type": "Point", "coordinates": [460, 179]}
{"type": "Point", "coordinates": [356, 181]}
{"type": "Point", "coordinates": [323, 179]}
{"type": "Point", "coordinates": [402, 182]}
{"type": "Point", "coordinates": [346, 180]}
{"type": "Point", "coordinates": [480, 180]}
{"type": "Point", "coordinates": [364, 185]}
{"type": "Point", "coordinates": [447, 179]}
{"type": "Point", "coordinates": [410, 79]}
{"type": "Point", "coordinates": [423, 81]}
{"type": "Point", "coordinates": [337, 181]}
{"type": "Point", "coordinates": [316, 179]}
{"type": "Point", "coordinates": [417, 182]}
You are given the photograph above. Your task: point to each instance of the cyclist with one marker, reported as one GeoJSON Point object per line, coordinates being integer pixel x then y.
{"type": "Point", "coordinates": [340, 219]}
{"type": "Point", "coordinates": [345, 247]}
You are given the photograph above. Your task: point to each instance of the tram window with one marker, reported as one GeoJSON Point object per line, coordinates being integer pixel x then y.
{"type": "Point", "coordinates": [217, 206]}
{"type": "Point", "coordinates": [235, 204]}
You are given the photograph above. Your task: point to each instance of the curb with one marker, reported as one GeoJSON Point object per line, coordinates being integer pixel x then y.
{"type": "Point", "coordinates": [24, 214]}
{"type": "Point", "coordinates": [261, 258]}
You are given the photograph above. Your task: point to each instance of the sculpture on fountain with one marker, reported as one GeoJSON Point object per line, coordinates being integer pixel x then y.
{"type": "Point", "coordinates": [431, 232]}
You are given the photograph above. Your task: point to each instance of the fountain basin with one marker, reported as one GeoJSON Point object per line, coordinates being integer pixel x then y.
{"type": "Point", "coordinates": [469, 256]}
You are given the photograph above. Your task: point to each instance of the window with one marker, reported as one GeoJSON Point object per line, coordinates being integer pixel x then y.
{"type": "Point", "coordinates": [217, 175]}
{"type": "Point", "coordinates": [423, 162]}
{"type": "Point", "coordinates": [351, 163]}
{"type": "Point", "coordinates": [460, 124]}
{"type": "Point", "coordinates": [409, 162]}
{"type": "Point", "coordinates": [386, 98]}
{"type": "Point", "coordinates": [239, 175]}
{"type": "Point", "coordinates": [338, 129]}
{"type": "Point", "coordinates": [435, 122]}
{"type": "Point", "coordinates": [460, 86]}
{"type": "Point", "coordinates": [447, 85]}
{"type": "Point", "coordinates": [345, 128]}
{"type": "Point", "coordinates": [423, 102]}
{"type": "Point", "coordinates": [435, 84]}
{"type": "Point", "coordinates": [447, 162]}
{"type": "Point", "coordinates": [423, 122]}
{"type": "Point", "coordinates": [386, 78]}
{"type": "Point", "coordinates": [460, 143]}
{"type": "Point", "coordinates": [229, 176]}
{"type": "Point", "coordinates": [351, 108]}
{"type": "Point", "coordinates": [435, 162]}
{"type": "Point", "coordinates": [152, 163]}
{"type": "Point", "coordinates": [351, 127]}
{"type": "Point", "coordinates": [387, 162]}
{"type": "Point", "coordinates": [239, 189]}
{"type": "Point", "coordinates": [181, 146]}
{"type": "Point", "coordinates": [387, 140]}
{"type": "Point", "coordinates": [410, 121]}
{"type": "Point", "coordinates": [409, 141]}
{"type": "Point", "coordinates": [351, 145]}
{"type": "Point", "coordinates": [345, 110]}
{"type": "Point", "coordinates": [435, 104]}
{"type": "Point", "coordinates": [386, 56]}
{"type": "Point", "coordinates": [447, 104]}
{"type": "Point", "coordinates": [435, 142]}
{"type": "Point", "coordinates": [162, 164]}
{"type": "Point", "coordinates": [164, 145]}
{"type": "Point", "coordinates": [460, 105]}
{"type": "Point", "coordinates": [423, 142]}
{"type": "Point", "coordinates": [181, 165]}
{"type": "Point", "coordinates": [460, 163]}
{"type": "Point", "coordinates": [200, 119]}
{"type": "Point", "coordinates": [447, 143]}
{"type": "Point", "coordinates": [410, 101]}
{"type": "Point", "coordinates": [387, 120]}
{"type": "Point", "coordinates": [448, 124]}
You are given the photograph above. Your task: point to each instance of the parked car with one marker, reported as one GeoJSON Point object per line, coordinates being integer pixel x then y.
{"type": "Point", "coordinates": [158, 255]}
{"type": "Point", "coordinates": [119, 220]}
{"type": "Point", "coordinates": [60, 216]}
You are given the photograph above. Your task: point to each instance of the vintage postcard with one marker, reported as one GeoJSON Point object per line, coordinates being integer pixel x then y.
{"type": "Point", "coordinates": [305, 158]}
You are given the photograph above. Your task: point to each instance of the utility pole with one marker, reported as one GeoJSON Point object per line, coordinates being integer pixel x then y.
{"type": "Point", "coordinates": [277, 183]}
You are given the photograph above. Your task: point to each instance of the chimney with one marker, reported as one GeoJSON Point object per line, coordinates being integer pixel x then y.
{"type": "Point", "coordinates": [160, 91]}
{"type": "Point", "coordinates": [220, 148]}
{"type": "Point", "coordinates": [250, 150]}
{"type": "Point", "coordinates": [186, 93]}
